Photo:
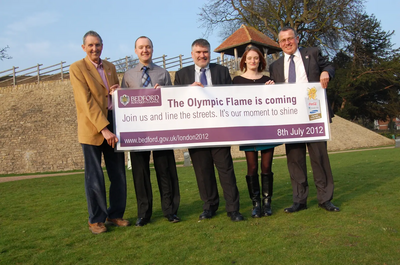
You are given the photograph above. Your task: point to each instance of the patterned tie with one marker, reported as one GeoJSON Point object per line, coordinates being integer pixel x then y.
{"type": "Point", "coordinates": [203, 78]}
{"type": "Point", "coordinates": [292, 70]}
{"type": "Point", "coordinates": [146, 82]}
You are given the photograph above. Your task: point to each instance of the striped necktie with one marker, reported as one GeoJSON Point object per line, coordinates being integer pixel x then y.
{"type": "Point", "coordinates": [146, 81]}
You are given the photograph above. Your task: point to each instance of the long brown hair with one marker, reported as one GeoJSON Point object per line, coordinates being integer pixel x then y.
{"type": "Point", "coordinates": [262, 63]}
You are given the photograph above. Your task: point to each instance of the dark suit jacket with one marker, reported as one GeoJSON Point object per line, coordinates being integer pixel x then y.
{"type": "Point", "coordinates": [314, 65]}
{"type": "Point", "coordinates": [219, 75]}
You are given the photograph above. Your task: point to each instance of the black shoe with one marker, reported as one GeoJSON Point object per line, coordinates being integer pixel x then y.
{"type": "Point", "coordinates": [206, 214]}
{"type": "Point", "coordinates": [236, 216]}
{"type": "Point", "coordinates": [142, 221]}
{"type": "Point", "coordinates": [329, 206]}
{"type": "Point", "coordinates": [173, 218]}
{"type": "Point", "coordinates": [296, 207]}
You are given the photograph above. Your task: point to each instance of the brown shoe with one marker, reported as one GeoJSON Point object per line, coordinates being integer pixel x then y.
{"type": "Point", "coordinates": [97, 228]}
{"type": "Point", "coordinates": [118, 222]}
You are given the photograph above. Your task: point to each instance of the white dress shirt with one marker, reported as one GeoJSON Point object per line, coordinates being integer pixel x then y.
{"type": "Point", "coordinates": [198, 72]}
{"type": "Point", "coordinates": [301, 75]}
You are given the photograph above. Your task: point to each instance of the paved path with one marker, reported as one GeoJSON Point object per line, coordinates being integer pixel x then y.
{"type": "Point", "coordinates": [15, 178]}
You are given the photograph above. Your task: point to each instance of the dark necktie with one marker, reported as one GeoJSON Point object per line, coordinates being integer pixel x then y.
{"type": "Point", "coordinates": [146, 82]}
{"type": "Point", "coordinates": [203, 78]}
{"type": "Point", "coordinates": [292, 70]}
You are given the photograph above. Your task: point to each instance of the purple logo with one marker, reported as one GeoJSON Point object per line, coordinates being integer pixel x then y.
{"type": "Point", "coordinates": [132, 98]}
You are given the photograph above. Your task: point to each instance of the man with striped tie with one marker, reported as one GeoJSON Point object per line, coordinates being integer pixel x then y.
{"type": "Point", "coordinates": [148, 74]}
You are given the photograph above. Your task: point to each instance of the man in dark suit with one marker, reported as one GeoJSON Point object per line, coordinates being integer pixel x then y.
{"type": "Point", "coordinates": [305, 65]}
{"type": "Point", "coordinates": [93, 81]}
{"type": "Point", "coordinates": [202, 73]}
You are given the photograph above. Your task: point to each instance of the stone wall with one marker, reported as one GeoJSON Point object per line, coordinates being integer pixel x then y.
{"type": "Point", "coordinates": [39, 130]}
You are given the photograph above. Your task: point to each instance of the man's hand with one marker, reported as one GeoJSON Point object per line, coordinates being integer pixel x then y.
{"type": "Point", "coordinates": [157, 86]}
{"type": "Point", "coordinates": [324, 79]}
{"type": "Point", "coordinates": [113, 88]}
{"type": "Point", "coordinates": [197, 84]}
{"type": "Point", "coordinates": [110, 137]}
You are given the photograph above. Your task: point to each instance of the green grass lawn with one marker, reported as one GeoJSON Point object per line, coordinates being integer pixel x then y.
{"type": "Point", "coordinates": [44, 221]}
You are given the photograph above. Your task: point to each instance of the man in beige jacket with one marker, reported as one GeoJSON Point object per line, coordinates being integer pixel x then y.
{"type": "Point", "coordinates": [93, 81]}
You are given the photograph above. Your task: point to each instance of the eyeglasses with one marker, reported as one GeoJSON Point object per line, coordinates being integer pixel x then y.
{"type": "Point", "coordinates": [290, 39]}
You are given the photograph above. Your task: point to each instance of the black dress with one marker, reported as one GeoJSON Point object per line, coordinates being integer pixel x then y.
{"type": "Point", "coordinates": [241, 80]}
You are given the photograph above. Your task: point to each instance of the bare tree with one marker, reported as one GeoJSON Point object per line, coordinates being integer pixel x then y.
{"type": "Point", "coordinates": [318, 22]}
{"type": "Point", "coordinates": [3, 54]}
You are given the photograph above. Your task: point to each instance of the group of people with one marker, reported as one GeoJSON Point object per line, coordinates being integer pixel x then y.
{"type": "Point", "coordinates": [94, 81]}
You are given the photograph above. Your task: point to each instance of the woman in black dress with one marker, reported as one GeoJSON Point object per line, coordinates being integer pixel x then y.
{"type": "Point", "coordinates": [252, 65]}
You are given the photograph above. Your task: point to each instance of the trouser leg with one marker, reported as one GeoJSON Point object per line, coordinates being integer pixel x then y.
{"type": "Point", "coordinates": [167, 178]}
{"type": "Point", "coordinates": [296, 161]}
{"type": "Point", "coordinates": [205, 176]}
{"type": "Point", "coordinates": [223, 162]}
{"type": "Point", "coordinates": [115, 165]}
{"type": "Point", "coordinates": [142, 183]}
{"type": "Point", "coordinates": [320, 164]}
{"type": "Point", "coordinates": [94, 184]}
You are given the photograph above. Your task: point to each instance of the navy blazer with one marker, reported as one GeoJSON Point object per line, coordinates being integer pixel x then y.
{"type": "Point", "coordinates": [219, 75]}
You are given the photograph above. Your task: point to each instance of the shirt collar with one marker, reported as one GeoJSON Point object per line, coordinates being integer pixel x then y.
{"type": "Point", "coordinates": [197, 68]}
{"type": "Point", "coordinates": [149, 66]}
{"type": "Point", "coordinates": [296, 54]}
{"type": "Point", "coordinates": [99, 65]}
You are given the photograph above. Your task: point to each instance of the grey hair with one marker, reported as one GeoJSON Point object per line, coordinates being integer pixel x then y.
{"type": "Point", "coordinates": [201, 43]}
{"type": "Point", "coordinates": [93, 34]}
{"type": "Point", "coordinates": [289, 28]}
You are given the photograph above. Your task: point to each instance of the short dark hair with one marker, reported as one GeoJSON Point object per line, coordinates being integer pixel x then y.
{"type": "Point", "coordinates": [93, 34]}
{"type": "Point", "coordinates": [201, 43]}
{"type": "Point", "coordinates": [261, 65]}
{"type": "Point", "coordinates": [286, 28]}
{"type": "Point", "coordinates": [144, 37]}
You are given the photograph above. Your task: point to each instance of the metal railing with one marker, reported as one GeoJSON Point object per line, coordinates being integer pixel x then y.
{"type": "Point", "coordinates": [60, 71]}
{"type": "Point", "coordinates": [128, 62]}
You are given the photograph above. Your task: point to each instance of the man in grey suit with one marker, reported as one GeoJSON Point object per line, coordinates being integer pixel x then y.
{"type": "Point", "coordinates": [164, 160]}
{"type": "Point", "coordinates": [305, 65]}
{"type": "Point", "coordinates": [203, 73]}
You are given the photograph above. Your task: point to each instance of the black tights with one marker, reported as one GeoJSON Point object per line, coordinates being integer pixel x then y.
{"type": "Point", "coordinates": [266, 161]}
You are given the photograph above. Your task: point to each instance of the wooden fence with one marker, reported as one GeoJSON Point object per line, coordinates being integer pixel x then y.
{"type": "Point", "coordinates": [60, 71]}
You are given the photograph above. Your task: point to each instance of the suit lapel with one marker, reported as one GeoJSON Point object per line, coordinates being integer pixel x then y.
{"type": "Point", "coordinates": [306, 59]}
{"type": "Point", "coordinates": [192, 74]}
{"type": "Point", "coordinates": [213, 74]}
{"type": "Point", "coordinates": [107, 72]}
{"type": "Point", "coordinates": [93, 71]}
{"type": "Point", "coordinates": [279, 73]}
{"type": "Point", "coordinates": [216, 77]}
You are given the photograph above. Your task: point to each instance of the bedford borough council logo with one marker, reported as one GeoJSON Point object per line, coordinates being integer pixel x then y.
{"type": "Point", "coordinates": [124, 99]}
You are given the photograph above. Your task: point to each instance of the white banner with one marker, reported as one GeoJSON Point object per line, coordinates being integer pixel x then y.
{"type": "Point", "coordinates": [190, 116]}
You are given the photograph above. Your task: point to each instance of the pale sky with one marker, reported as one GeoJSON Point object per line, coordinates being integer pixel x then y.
{"type": "Point", "coordinates": [51, 31]}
